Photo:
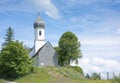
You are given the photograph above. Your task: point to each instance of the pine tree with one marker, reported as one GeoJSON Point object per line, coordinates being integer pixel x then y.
{"type": "Point", "coordinates": [9, 36]}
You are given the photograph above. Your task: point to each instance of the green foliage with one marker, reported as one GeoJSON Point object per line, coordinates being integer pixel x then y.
{"type": "Point", "coordinates": [96, 76]}
{"type": "Point", "coordinates": [14, 61]}
{"type": "Point", "coordinates": [9, 36]}
{"type": "Point", "coordinates": [116, 79]}
{"type": "Point", "coordinates": [68, 49]}
{"type": "Point", "coordinates": [88, 76]}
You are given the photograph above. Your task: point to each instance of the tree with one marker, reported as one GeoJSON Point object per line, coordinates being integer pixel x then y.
{"type": "Point", "coordinates": [9, 36]}
{"type": "Point", "coordinates": [68, 49]}
{"type": "Point", "coordinates": [14, 60]}
{"type": "Point", "coordinates": [96, 76]}
{"type": "Point", "coordinates": [88, 76]}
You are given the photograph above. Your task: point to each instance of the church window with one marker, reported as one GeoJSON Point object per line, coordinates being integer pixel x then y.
{"type": "Point", "coordinates": [39, 33]}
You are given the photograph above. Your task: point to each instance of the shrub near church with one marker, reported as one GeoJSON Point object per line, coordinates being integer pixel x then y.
{"type": "Point", "coordinates": [14, 60]}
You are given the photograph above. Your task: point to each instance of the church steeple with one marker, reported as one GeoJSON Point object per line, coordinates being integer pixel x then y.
{"type": "Point", "coordinates": [39, 32]}
{"type": "Point", "coordinates": [39, 23]}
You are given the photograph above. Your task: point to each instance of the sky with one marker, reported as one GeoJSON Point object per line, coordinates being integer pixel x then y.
{"type": "Point", "coordinates": [96, 23]}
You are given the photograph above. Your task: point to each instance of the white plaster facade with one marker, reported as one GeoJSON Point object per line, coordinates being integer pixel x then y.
{"type": "Point", "coordinates": [39, 33]}
{"type": "Point", "coordinates": [38, 44]}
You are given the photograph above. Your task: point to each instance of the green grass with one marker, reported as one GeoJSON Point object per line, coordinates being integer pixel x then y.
{"type": "Point", "coordinates": [70, 73]}
{"type": "Point", "coordinates": [41, 76]}
{"type": "Point", "coordinates": [55, 75]}
{"type": "Point", "coordinates": [77, 81]}
{"type": "Point", "coordinates": [91, 81]}
{"type": "Point", "coordinates": [2, 81]}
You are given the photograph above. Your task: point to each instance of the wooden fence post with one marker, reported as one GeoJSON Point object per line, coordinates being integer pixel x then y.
{"type": "Point", "coordinates": [107, 76]}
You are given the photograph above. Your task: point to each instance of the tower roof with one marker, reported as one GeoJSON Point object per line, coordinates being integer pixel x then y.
{"type": "Point", "coordinates": [39, 22]}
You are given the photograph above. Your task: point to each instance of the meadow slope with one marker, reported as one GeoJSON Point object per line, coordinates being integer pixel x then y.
{"type": "Point", "coordinates": [56, 75]}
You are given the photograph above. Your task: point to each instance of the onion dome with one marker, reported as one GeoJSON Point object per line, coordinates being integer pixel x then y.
{"type": "Point", "coordinates": [39, 23]}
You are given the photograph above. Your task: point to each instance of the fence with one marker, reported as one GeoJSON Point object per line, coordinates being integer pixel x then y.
{"type": "Point", "coordinates": [105, 75]}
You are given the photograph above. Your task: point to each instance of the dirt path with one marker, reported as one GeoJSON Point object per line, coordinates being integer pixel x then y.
{"type": "Point", "coordinates": [10, 82]}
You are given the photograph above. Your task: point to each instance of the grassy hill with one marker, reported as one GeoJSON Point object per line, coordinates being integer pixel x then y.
{"type": "Point", "coordinates": [55, 75]}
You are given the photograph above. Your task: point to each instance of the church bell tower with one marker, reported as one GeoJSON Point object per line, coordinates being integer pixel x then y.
{"type": "Point", "coordinates": [39, 33]}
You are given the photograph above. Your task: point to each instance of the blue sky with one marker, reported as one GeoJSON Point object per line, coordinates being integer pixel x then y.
{"type": "Point", "coordinates": [96, 23]}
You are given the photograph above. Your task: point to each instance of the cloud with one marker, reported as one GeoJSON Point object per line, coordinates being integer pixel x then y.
{"type": "Point", "coordinates": [118, 31]}
{"type": "Point", "coordinates": [99, 65]}
{"type": "Point", "coordinates": [98, 33]}
{"type": "Point", "coordinates": [106, 22]}
{"type": "Point", "coordinates": [104, 46]}
{"type": "Point", "coordinates": [101, 41]}
{"type": "Point", "coordinates": [88, 2]}
{"type": "Point", "coordinates": [31, 6]}
{"type": "Point", "coordinates": [47, 6]}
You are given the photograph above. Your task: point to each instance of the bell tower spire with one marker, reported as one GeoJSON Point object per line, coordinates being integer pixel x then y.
{"type": "Point", "coordinates": [39, 33]}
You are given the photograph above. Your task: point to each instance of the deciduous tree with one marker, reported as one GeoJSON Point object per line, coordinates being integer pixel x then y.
{"type": "Point", "coordinates": [96, 76]}
{"type": "Point", "coordinates": [68, 49]}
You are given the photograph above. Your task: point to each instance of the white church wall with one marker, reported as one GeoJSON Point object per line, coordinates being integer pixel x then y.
{"type": "Point", "coordinates": [41, 33]}
{"type": "Point", "coordinates": [38, 45]}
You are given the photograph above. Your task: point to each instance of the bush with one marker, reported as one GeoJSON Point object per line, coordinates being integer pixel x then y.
{"type": "Point", "coordinates": [14, 61]}
{"type": "Point", "coordinates": [116, 79]}
{"type": "Point", "coordinates": [96, 76]}
{"type": "Point", "coordinates": [88, 76]}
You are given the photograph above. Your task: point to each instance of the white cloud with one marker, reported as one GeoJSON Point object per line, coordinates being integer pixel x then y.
{"type": "Point", "coordinates": [87, 2]}
{"type": "Point", "coordinates": [47, 6]}
{"type": "Point", "coordinates": [31, 6]}
{"type": "Point", "coordinates": [105, 46]}
{"type": "Point", "coordinates": [118, 31]}
{"type": "Point", "coordinates": [100, 41]}
{"type": "Point", "coordinates": [99, 65]}
{"type": "Point", "coordinates": [98, 34]}
{"type": "Point", "coordinates": [91, 23]}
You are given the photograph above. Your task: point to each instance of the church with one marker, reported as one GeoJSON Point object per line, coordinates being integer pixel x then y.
{"type": "Point", "coordinates": [42, 52]}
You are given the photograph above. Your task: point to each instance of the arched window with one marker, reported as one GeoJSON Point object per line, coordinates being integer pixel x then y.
{"type": "Point", "coordinates": [39, 33]}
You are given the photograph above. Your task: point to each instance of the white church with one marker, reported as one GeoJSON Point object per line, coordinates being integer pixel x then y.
{"type": "Point", "coordinates": [42, 52]}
